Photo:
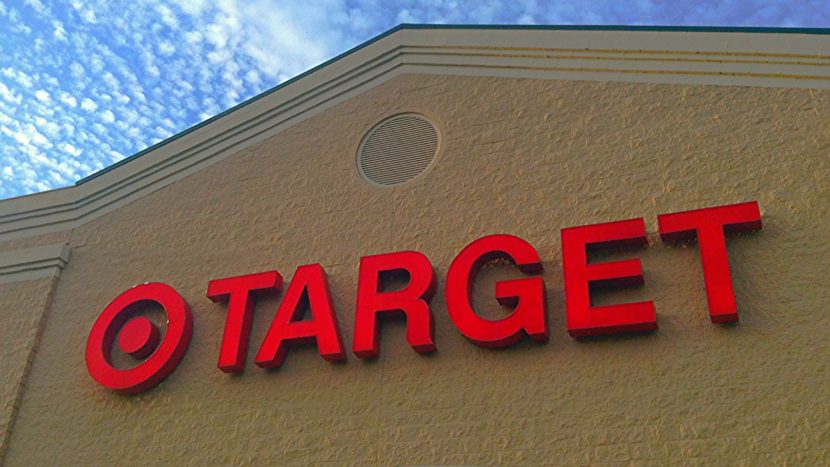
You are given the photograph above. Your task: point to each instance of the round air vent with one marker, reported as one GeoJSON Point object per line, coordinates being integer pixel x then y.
{"type": "Point", "coordinates": [397, 149]}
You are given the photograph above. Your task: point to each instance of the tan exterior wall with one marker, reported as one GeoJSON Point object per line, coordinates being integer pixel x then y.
{"type": "Point", "coordinates": [23, 305]}
{"type": "Point", "coordinates": [519, 156]}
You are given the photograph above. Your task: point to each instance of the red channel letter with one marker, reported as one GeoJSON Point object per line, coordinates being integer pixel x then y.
{"type": "Point", "coordinates": [309, 283]}
{"type": "Point", "coordinates": [238, 292]}
{"type": "Point", "coordinates": [527, 295]}
{"type": "Point", "coordinates": [412, 301]}
{"type": "Point", "coordinates": [584, 319]}
{"type": "Point", "coordinates": [709, 225]}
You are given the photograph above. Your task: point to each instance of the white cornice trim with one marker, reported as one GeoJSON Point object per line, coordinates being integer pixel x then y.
{"type": "Point", "coordinates": [33, 263]}
{"type": "Point", "coordinates": [674, 57]}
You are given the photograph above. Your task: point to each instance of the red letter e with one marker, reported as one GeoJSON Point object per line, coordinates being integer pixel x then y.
{"type": "Point", "coordinates": [584, 319]}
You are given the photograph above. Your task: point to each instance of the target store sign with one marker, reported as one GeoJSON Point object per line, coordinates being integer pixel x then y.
{"type": "Point", "coordinates": [122, 324]}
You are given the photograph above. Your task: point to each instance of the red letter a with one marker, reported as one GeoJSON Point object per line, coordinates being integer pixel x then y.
{"type": "Point", "coordinates": [309, 282]}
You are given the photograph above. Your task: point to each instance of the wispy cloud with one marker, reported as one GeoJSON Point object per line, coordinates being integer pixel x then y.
{"type": "Point", "coordinates": [85, 83]}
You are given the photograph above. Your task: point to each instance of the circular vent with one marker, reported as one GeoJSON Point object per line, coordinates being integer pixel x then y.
{"type": "Point", "coordinates": [397, 149]}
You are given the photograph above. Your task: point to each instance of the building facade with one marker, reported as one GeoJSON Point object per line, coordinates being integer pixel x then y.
{"type": "Point", "coordinates": [428, 139]}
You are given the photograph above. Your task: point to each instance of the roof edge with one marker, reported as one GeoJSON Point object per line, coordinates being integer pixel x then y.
{"type": "Point", "coordinates": [414, 26]}
{"type": "Point", "coordinates": [709, 56]}
{"type": "Point", "coordinates": [238, 106]}
{"type": "Point", "coordinates": [616, 27]}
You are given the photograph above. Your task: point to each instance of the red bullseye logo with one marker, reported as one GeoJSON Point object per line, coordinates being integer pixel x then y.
{"type": "Point", "coordinates": [139, 338]}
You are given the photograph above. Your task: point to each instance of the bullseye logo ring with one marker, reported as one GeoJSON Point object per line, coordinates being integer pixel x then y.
{"type": "Point", "coordinates": [138, 337]}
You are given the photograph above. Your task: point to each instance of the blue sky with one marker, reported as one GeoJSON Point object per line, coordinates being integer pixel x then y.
{"type": "Point", "coordinates": [84, 84]}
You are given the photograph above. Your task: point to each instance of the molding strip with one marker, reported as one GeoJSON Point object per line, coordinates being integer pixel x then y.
{"type": "Point", "coordinates": [797, 59]}
{"type": "Point", "coordinates": [33, 263]}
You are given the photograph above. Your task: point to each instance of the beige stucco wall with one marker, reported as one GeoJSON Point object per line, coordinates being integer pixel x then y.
{"type": "Point", "coordinates": [525, 157]}
{"type": "Point", "coordinates": [23, 305]}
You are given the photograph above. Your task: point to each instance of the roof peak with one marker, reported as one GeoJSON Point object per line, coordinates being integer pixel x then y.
{"type": "Point", "coordinates": [756, 57]}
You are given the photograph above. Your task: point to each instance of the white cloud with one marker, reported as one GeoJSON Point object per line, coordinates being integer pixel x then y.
{"type": "Point", "coordinates": [72, 150]}
{"type": "Point", "coordinates": [42, 95]}
{"type": "Point", "coordinates": [96, 63]}
{"type": "Point", "coordinates": [47, 126]}
{"type": "Point", "coordinates": [193, 37]}
{"type": "Point", "coordinates": [17, 23]}
{"type": "Point", "coordinates": [9, 95]}
{"type": "Point", "coordinates": [88, 105]}
{"type": "Point", "coordinates": [111, 80]}
{"type": "Point", "coordinates": [18, 76]}
{"type": "Point", "coordinates": [192, 7]}
{"type": "Point", "coordinates": [21, 138]}
{"type": "Point", "coordinates": [166, 48]}
{"type": "Point", "coordinates": [88, 16]}
{"type": "Point", "coordinates": [153, 71]}
{"type": "Point", "coordinates": [59, 31]}
{"type": "Point", "coordinates": [37, 5]}
{"type": "Point", "coordinates": [253, 77]}
{"type": "Point", "coordinates": [167, 16]}
{"type": "Point", "coordinates": [31, 133]}
{"type": "Point", "coordinates": [68, 99]}
{"type": "Point", "coordinates": [76, 69]}
{"type": "Point", "coordinates": [107, 116]}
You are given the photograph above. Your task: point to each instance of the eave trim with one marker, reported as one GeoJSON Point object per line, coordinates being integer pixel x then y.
{"type": "Point", "coordinates": [765, 57]}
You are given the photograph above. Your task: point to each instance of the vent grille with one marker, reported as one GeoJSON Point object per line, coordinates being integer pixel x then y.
{"type": "Point", "coordinates": [397, 149]}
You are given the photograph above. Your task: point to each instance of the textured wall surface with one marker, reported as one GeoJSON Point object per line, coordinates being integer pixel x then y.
{"type": "Point", "coordinates": [525, 157]}
{"type": "Point", "coordinates": [23, 306]}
